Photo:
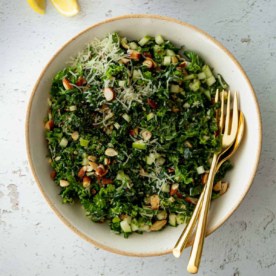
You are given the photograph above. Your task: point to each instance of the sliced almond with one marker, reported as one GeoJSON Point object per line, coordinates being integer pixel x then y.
{"type": "Point", "coordinates": [146, 135]}
{"type": "Point", "coordinates": [132, 54]}
{"type": "Point", "coordinates": [92, 158]}
{"type": "Point", "coordinates": [111, 152]}
{"type": "Point", "coordinates": [82, 171]}
{"type": "Point", "coordinates": [217, 187]}
{"type": "Point", "coordinates": [191, 200]}
{"type": "Point", "coordinates": [109, 94]}
{"type": "Point", "coordinates": [93, 165]}
{"type": "Point", "coordinates": [67, 85]}
{"type": "Point", "coordinates": [142, 172]}
{"type": "Point", "coordinates": [63, 183]}
{"type": "Point", "coordinates": [106, 181]}
{"type": "Point", "coordinates": [49, 125]}
{"type": "Point", "coordinates": [75, 135]}
{"type": "Point", "coordinates": [154, 202]}
{"type": "Point", "coordinates": [101, 171]}
{"type": "Point", "coordinates": [174, 60]}
{"type": "Point", "coordinates": [124, 60]}
{"type": "Point", "coordinates": [175, 109]}
{"type": "Point", "coordinates": [158, 225]}
{"type": "Point", "coordinates": [188, 144]}
{"type": "Point", "coordinates": [174, 189]}
{"type": "Point", "coordinates": [224, 187]}
{"type": "Point", "coordinates": [86, 182]}
{"type": "Point", "coordinates": [107, 161]}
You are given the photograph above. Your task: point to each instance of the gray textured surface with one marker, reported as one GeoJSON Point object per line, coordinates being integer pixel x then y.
{"type": "Point", "coordinates": [33, 240]}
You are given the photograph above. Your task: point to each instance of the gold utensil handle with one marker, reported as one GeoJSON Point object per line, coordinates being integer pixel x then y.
{"type": "Point", "coordinates": [188, 230]}
{"type": "Point", "coordinates": [196, 252]}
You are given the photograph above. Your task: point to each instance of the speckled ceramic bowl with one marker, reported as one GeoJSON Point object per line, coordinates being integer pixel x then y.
{"type": "Point", "coordinates": [245, 160]}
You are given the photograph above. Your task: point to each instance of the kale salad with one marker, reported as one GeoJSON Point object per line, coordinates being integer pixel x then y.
{"type": "Point", "coordinates": [131, 129]}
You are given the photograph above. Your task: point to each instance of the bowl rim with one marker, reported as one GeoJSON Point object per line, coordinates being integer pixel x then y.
{"type": "Point", "coordinates": [31, 164]}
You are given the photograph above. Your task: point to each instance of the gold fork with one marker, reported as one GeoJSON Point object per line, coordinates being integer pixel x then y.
{"type": "Point", "coordinates": [229, 134]}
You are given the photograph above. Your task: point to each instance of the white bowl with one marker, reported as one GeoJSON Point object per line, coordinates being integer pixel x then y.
{"type": "Point", "coordinates": [245, 160]}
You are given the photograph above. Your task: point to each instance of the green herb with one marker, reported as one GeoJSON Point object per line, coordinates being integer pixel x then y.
{"type": "Point", "coordinates": [129, 126]}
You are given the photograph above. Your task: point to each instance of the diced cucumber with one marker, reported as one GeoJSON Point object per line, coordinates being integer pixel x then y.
{"type": "Point", "coordinates": [160, 161]}
{"type": "Point", "coordinates": [150, 159]}
{"type": "Point", "coordinates": [211, 80]}
{"type": "Point", "coordinates": [126, 117]}
{"type": "Point", "coordinates": [159, 39]}
{"type": "Point", "coordinates": [170, 53]}
{"type": "Point", "coordinates": [122, 83]}
{"type": "Point", "coordinates": [165, 188]}
{"type": "Point", "coordinates": [133, 45]}
{"type": "Point", "coordinates": [195, 85]}
{"type": "Point", "coordinates": [125, 226]}
{"type": "Point", "coordinates": [162, 215]}
{"type": "Point", "coordinates": [116, 125]}
{"type": "Point", "coordinates": [190, 77]}
{"type": "Point", "coordinates": [206, 69]}
{"type": "Point", "coordinates": [157, 48]}
{"type": "Point", "coordinates": [180, 218]}
{"type": "Point", "coordinates": [134, 225]}
{"type": "Point", "coordinates": [200, 170]}
{"type": "Point", "coordinates": [172, 219]}
{"type": "Point", "coordinates": [63, 142]}
{"type": "Point", "coordinates": [167, 60]}
{"type": "Point", "coordinates": [201, 76]}
{"type": "Point", "coordinates": [150, 116]}
{"type": "Point", "coordinates": [144, 227]}
{"type": "Point", "coordinates": [175, 88]}
{"type": "Point", "coordinates": [72, 108]}
{"type": "Point", "coordinates": [140, 144]}
{"type": "Point", "coordinates": [136, 74]}
{"type": "Point", "coordinates": [83, 142]}
{"type": "Point", "coordinates": [144, 40]}
{"type": "Point", "coordinates": [124, 43]}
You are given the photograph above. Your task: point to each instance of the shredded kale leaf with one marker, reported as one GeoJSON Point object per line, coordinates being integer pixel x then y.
{"type": "Point", "coordinates": [131, 130]}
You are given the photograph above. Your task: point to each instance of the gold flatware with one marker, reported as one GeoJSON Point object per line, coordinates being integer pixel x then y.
{"type": "Point", "coordinates": [187, 232]}
{"type": "Point", "coordinates": [229, 127]}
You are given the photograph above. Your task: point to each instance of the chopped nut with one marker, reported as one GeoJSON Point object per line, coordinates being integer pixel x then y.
{"type": "Point", "coordinates": [217, 187]}
{"type": "Point", "coordinates": [191, 200]}
{"type": "Point", "coordinates": [101, 171]}
{"type": "Point", "coordinates": [154, 202]}
{"type": "Point", "coordinates": [106, 181]}
{"type": "Point", "coordinates": [174, 60]}
{"type": "Point", "coordinates": [170, 170]}
{"type": "Point", "coordinates": [109, 94]}
{"type": "Point", "coordinates": [75, 135]}
{"type": "Point", "coordinates": [49, 125]}
{"type": "Point", "coordinates": [188, 144]}
{"type": "Point", "coordinates": [111, 152]}
{"type": "Point", "coordinates": [124, 60]}
{"type": "Point", "coordinates": [146, 135]}
{"type": "Point", "coordinates": [204, 178]}
{"type": "Point", "coordinates": [82, 171]}
{"type": "Point", "coordinates": [81, 81]}
{"type": "Point", "coordinates": [134, 132]}
{"type": "Point", "coordinates": [67, 85]}
{"type": "Point", "coordinates": [149, 63]}
{"type": "Point", "coordinates": [63, 183]}
{"type": "Point", "coordinates": [86, 182]}
{"type": "Point", "coordinates": [92, 158]}
{"type": "Point", "coordinates": [175, 109]}
{"type": "Point", "coordinates": [107, 161]}
{"type": "Point", "coordinates": [93, 165]}
{"type": "Point", "coordinates": [132, 54]}
{"type": "Point", "coordinates": [174, 189]}
{"type": "Point", "coordinates": [158, 225]}
{"type": "Point", "coordinates": [53, 174]}
{"type": "Point", "coordinates": [142, 172]}
{"type": "Point", "coordinates": [224, 187]}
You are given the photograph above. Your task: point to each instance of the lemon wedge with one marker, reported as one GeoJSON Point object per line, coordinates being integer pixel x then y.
{"type": "Point", "coordinates": [66, 7]}
{"type": "Point", "coordinates": [37, 5]}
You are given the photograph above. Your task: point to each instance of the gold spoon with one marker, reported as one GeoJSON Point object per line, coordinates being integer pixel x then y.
{"type": "Point", "coordinates": [186, 234]}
